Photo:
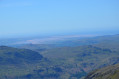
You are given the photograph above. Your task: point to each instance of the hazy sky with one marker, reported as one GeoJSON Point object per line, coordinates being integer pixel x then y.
{"type": "Point", "coordinates": [58, 17]}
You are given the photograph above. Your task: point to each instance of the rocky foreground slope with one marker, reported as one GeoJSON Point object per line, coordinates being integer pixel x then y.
{"type": "Point", "coordinates": [110, 72]}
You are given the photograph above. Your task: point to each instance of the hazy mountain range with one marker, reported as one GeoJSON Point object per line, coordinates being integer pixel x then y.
{"type": "Point", "coordinates": [42, 40]}
{"type": "Point", "coordinates": [71, 57]}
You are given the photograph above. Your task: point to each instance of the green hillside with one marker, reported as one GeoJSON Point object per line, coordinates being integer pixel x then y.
{"type": "Point", "coordinates": [15, 56]}
{"type": "Point", "coordinates": [86, 57]}
{"type": "Point", "coordinates": [27, 64]}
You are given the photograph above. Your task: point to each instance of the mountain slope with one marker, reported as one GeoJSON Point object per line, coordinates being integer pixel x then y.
{"type": "Point", "coordinates": [16, 63]}
{"type": "Point", "coordinates": [14, 56]}
{"type": "Point", "coordinates": [110, 72]}
{"type": "Point", "coordinates": [86, 58]}
{"type": "Point", "coordinates": [26, 64]}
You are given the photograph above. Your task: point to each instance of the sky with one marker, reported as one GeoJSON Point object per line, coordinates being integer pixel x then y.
{"type": "Point", "coordinates": [24, 18]}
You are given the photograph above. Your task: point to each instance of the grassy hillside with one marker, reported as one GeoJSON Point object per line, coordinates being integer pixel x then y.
{"type": "Point", "coordinates": [26, 64]}
{"type": "Point", "coordinates": [86, 57]}
{"type": "Point", "coordinates": [61, 63]}
{"type": "Point", "coordinates": [10, 55]}
{"type": "Point", "coordinates": [109, 72]}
